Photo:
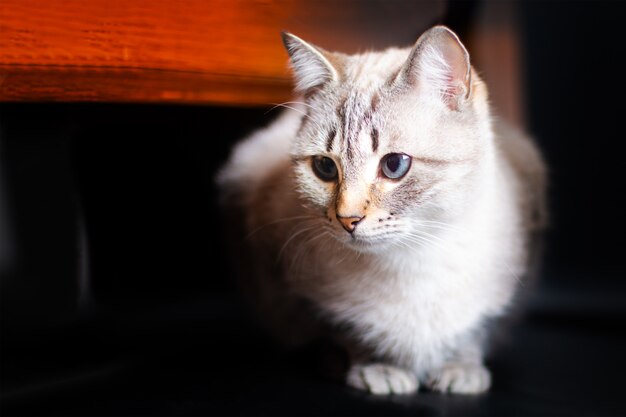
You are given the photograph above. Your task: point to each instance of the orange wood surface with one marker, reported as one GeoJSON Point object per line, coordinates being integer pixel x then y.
{"type": "Point", "coordinates": [158, 50]}
{"type": "Point", "coordinates": [183, 51]}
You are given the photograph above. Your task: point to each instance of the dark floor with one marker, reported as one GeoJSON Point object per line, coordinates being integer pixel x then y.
{"type": "Point", "coordinates": [207, 359]}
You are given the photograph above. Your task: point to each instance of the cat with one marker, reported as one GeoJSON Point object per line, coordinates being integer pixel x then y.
{"type": "Point", "coordinates": [386, 209]}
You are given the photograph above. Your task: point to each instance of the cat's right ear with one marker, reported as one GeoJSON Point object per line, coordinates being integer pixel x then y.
{"type": "Point", "coordinates": [439, 65]}
{"type": "Point", "coordinates": [311, 64]}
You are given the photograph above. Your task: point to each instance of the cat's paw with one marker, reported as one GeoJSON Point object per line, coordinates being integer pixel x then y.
{"type": "Point", "coordinates": [460, 378]}
{"type": "Point", "coordinates": [381, 379]}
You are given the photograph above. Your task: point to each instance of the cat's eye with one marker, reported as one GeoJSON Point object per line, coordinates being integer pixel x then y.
{"type": "Point", "coordinates": [395, 165]}
{"type": "Point", "coordinates": [324, 168]}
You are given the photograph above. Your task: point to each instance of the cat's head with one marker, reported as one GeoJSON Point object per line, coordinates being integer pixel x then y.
{"type": "Point", "coordinates": [391, 141]}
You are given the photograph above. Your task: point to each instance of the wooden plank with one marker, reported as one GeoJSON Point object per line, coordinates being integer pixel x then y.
{"type": "Point", "coordinates": [66, 84]}
{"type": "Point", "coordinates": [137, 85]}
{"type": "Point", "coordinates": [158, 50]}
{"type": "Point", "coordinates": [188, 51]}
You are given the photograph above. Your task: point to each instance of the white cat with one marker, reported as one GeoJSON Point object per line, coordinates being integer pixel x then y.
{"type": "Point", "coordinates": [387, 211]}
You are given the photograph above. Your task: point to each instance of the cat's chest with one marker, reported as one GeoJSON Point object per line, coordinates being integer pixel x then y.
{"type": "Point", "coordinates": [409, 302]}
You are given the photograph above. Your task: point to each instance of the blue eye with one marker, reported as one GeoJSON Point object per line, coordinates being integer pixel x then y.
{"type": "Point", "coordinates": [395, 165]}
{"type": "Point", "coordinates": [324, 168]}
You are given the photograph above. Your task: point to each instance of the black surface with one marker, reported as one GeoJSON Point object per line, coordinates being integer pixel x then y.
{"type": "Point", "coordinates": [121, 197]}
{"type": "Point", "coordinates": [206, 359]}
{"type": "Point", "coordinates": [573, 50]}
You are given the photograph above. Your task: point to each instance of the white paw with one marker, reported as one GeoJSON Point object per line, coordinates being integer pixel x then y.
{"type": "Point", "coordinates": [381, 379]}
{"type": "Point", "coordinates": [460, 378]}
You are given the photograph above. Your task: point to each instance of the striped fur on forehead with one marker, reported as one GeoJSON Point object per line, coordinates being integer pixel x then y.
{"type": "Point", "coordinates": [356, 116]}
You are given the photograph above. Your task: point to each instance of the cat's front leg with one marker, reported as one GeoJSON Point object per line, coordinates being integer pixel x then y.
{"type": "Point", "coordinates": [382, 379]}
{"type": "Point", "coordinates": [460, 378]}
{"type": "Point", "coordinates": [463, 373]}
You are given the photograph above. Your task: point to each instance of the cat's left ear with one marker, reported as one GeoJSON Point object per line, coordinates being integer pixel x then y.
{"type": "Point", "coordinates": [439, 65]}
{"type": "Point", "coordinates": [311, 64]}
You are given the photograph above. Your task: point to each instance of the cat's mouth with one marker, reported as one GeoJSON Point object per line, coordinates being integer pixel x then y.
{"type": "Point", "coordinates": [366, 242]}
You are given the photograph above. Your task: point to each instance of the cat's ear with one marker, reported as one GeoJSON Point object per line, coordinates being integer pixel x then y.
{"type": "Point", "coordinates": [439, 65]}
{"type": "Point", "coordinates": [311, 64]}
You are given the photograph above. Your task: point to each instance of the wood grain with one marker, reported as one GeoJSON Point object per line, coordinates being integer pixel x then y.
{"type": "Point", "coordinates": [137, 85]}
{"type": "Point", "coordinates": [188, 51]}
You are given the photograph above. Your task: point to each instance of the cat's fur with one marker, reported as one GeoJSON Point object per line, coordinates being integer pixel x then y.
{"type": "Point", "coordinates": [438, 252]}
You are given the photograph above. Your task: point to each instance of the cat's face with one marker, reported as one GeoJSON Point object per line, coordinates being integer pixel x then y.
{"type": "Point", "coordinates": [385, 150]}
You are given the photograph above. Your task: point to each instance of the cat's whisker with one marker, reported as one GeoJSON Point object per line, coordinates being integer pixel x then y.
{"type": "Point", "coordinates": [284, 105]}
{"type": "Point", "coordinates": [426, 234]}
{"type": "Point", "coordinates": [401, 243]}
{"type": "Point", "coordinates": [408, 245]}
{"type": "Point", "coordinates": [411, 242]}
{"type": "Point", "coordinates": [296, 102]}
{"type": "Point", "coordinates": [440, 225]}
{"type": "Point", "coordinates": [299, 111]}
{"type": "Point", "coordinates": [302, 249]}
{"type": "Point", "coordinates": [304, 244]}
{"type": "Point", "coordinates": [450, 228]}
{"type": "Point", "coordinates": [455, 230]}
{"type": "Point", "coordinates": [423, 239]}
{"type": "Point", "coordinates": [293, 236]}
{"type": "Point", "coordinates": [276, 222]}
{"type": "Point", "coordinates": [418, 237]}
{"type": "Point", "coordinates": [342, 259]}
{"type": "Point", "coordinates": [438, 222]}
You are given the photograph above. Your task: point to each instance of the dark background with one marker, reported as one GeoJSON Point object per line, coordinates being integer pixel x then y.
{"type": "Point", "coordinates": [116, 299]}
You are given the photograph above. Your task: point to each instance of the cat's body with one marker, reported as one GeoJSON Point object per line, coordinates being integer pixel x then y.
{"type": "Point", "coordinates": [404, 271]}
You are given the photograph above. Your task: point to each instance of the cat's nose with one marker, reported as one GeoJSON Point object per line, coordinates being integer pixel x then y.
{"type": "Point", "coordinates": [349, 223]}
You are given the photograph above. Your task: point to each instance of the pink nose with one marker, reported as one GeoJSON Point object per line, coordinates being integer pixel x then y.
{"type": "Point", "coordinates": [349, 223]}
